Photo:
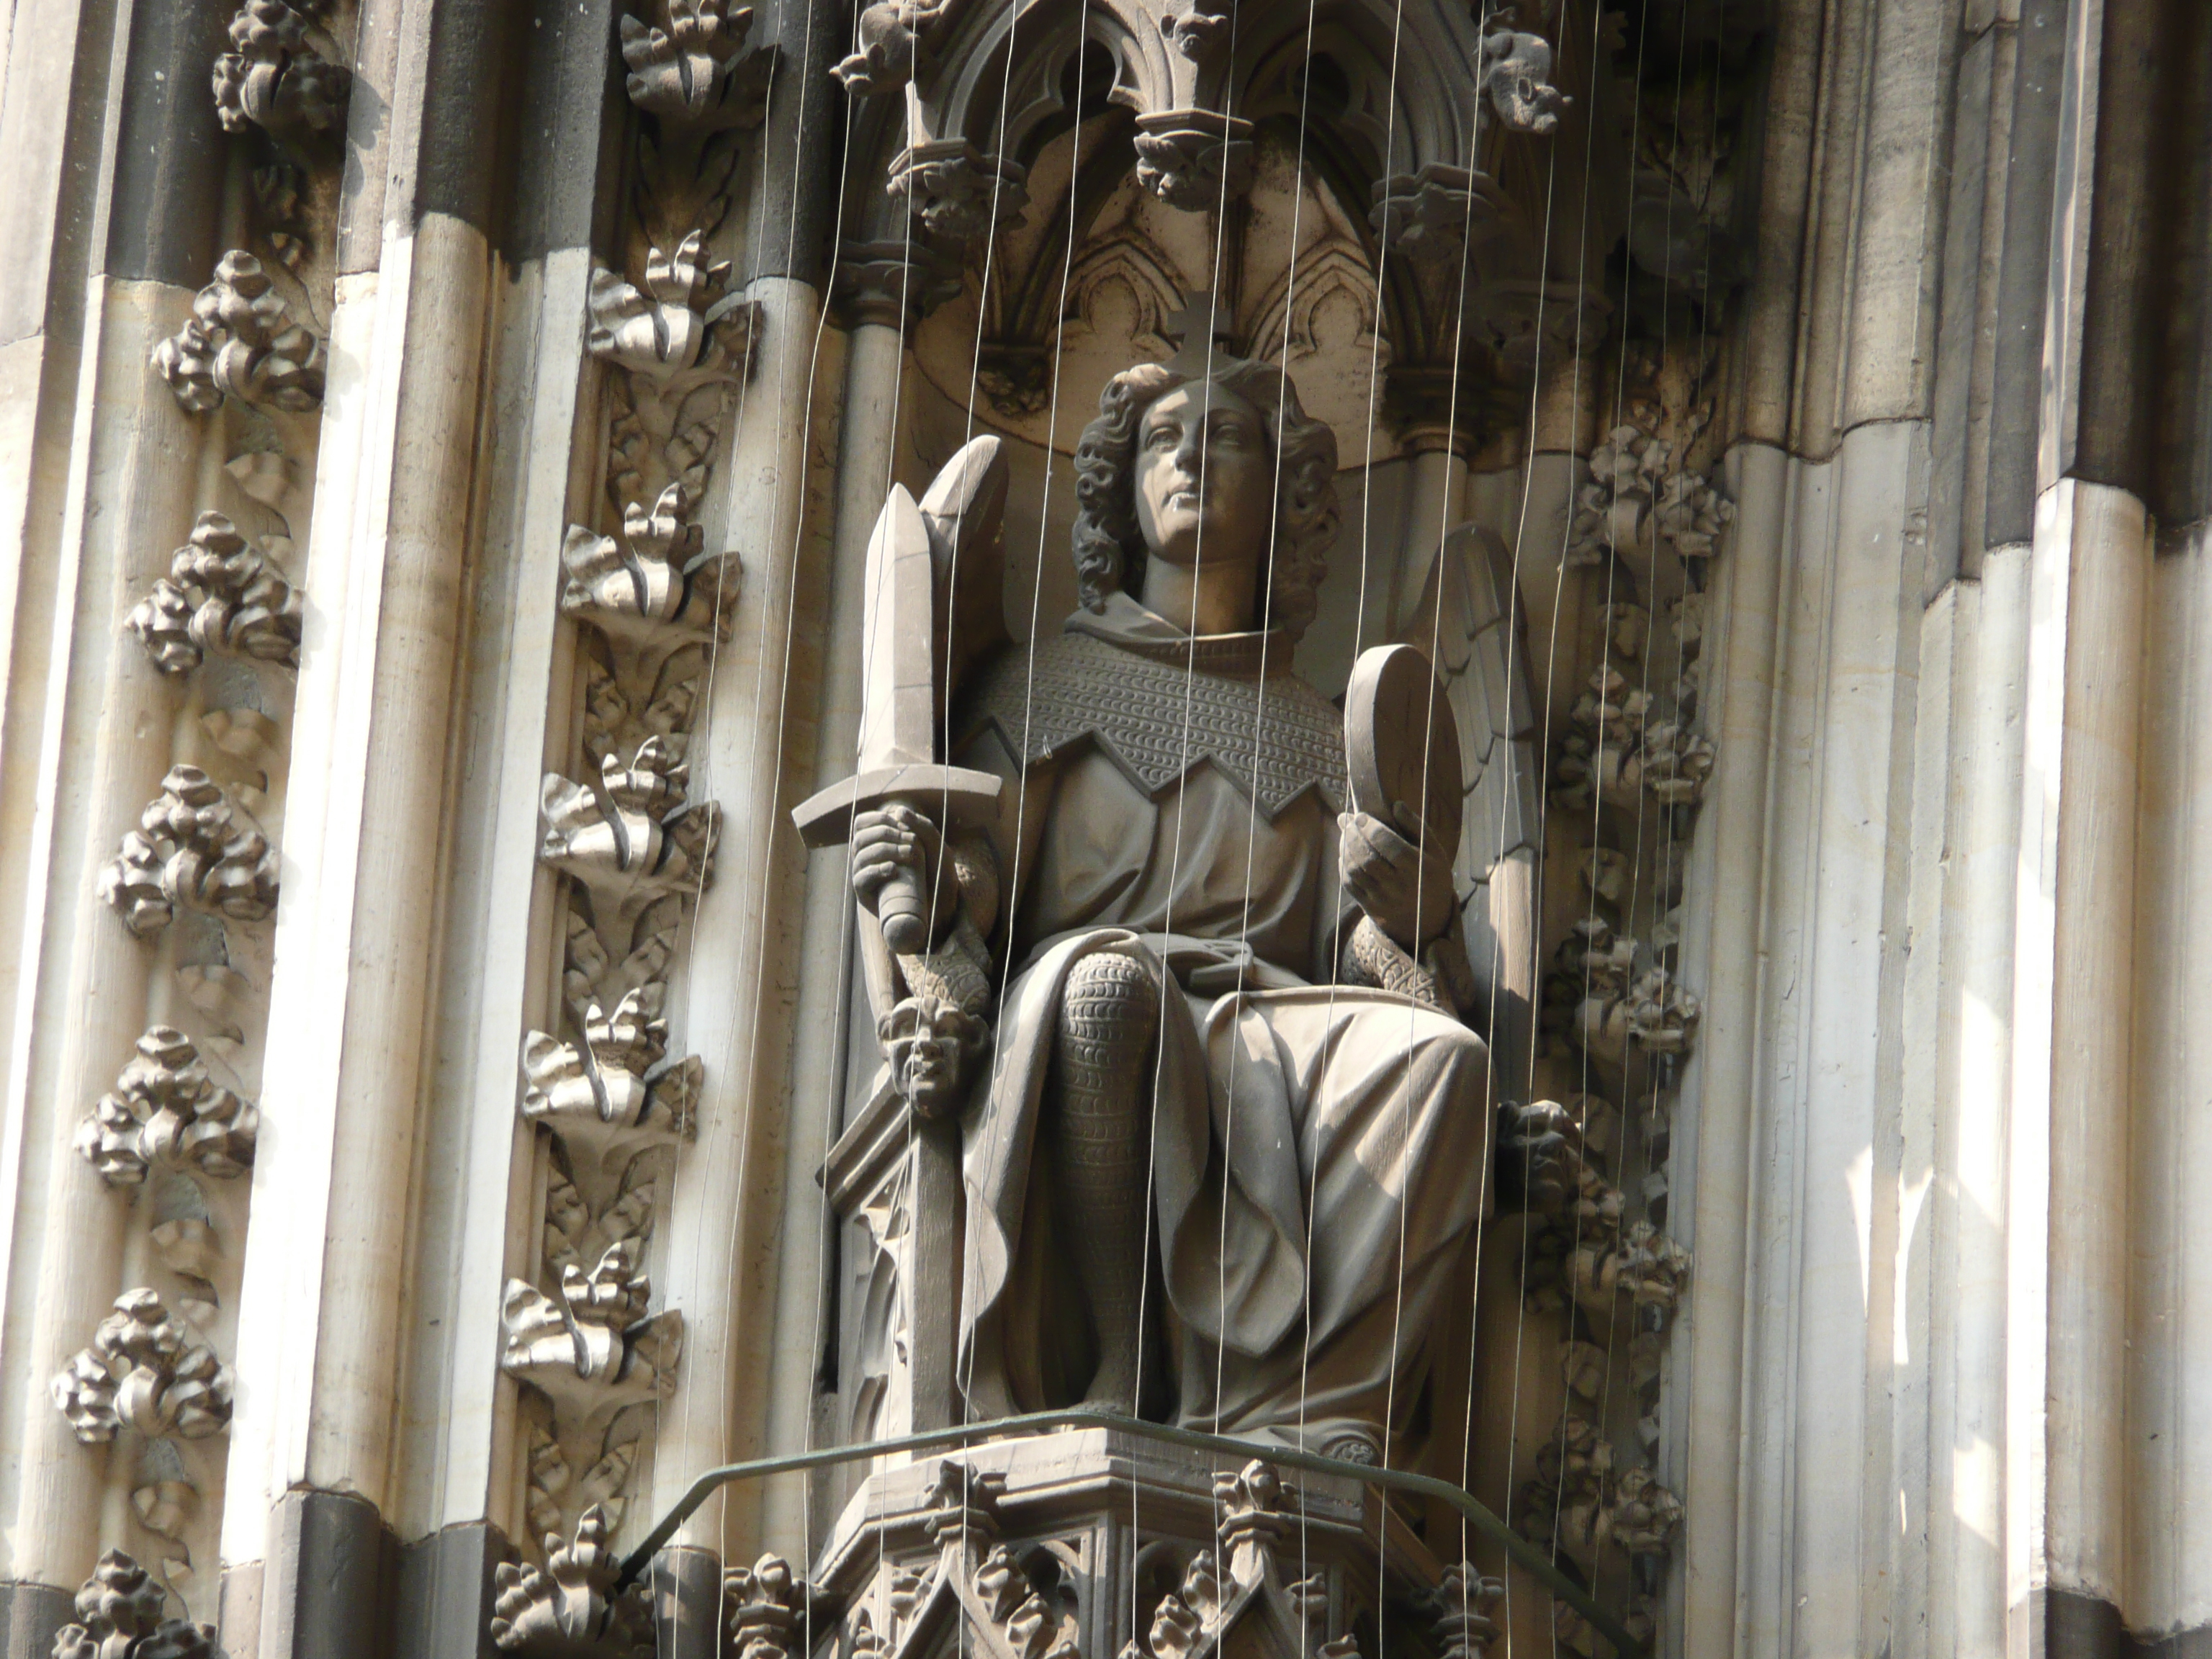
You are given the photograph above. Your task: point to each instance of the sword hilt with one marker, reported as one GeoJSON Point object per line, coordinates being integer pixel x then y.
{"type": "Point", "coordinates": [903, 910]}
{"type": "Point", "coordinates": [946, 795]}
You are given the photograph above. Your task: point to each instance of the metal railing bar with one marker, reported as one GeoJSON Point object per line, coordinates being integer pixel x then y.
{"type": "Point", "coordinates": [1477, 1515]}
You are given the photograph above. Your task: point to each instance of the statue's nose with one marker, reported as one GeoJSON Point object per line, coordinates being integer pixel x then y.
{"type": "Point", "coordinates": [1190, 452]}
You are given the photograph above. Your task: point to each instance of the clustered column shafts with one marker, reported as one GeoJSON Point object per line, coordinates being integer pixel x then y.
{"type": "Point", "coordinates": [683, 676]}
{"type": "Point", "coordinates": [175, 632]}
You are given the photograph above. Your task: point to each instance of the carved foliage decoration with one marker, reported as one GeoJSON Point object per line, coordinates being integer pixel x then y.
{"type": "Point", "coordinates": [1610, 994]}
{"type": "Point", "coordinates": [652, 602]}
{"type": "Point", "coordinates": [957, 192]}
{"type": "Point", "coordinates": [1621, 741]}
{"type": "Point", "coordinates": [616, 1093]}
{"type": "Point", "coordinates": [1241, 1579]}
{"type": "Point", "coordinates": [634, 839]}
{"type": "Point", "coordinates": [241, 342]}
{"type": "Point", "coordinates": [221, 621]}
{"type": "Point", "coordinates": [166, 1112]}
{"type": "Point", "coordinates": [193, 850]}
{"type": "Point", "coordinates": [1463, 1625]}
{"type": "Point", "coordinates": [223, 595]}
{"type": "Point", "coordinates": [569, 1607]}
{"type": "Point", "coordinates": [1583, 1500]}
{"type": "Point", "coordinates": [148, 1371]}
{"type": "Point", "coordinates": [765, 1603]}
{"type": "Point", "coordinates": [1637, 486]}
{"type": "Point", "coordinates": [593, 1351]}
{"type": "Point", "coordinates": [889, 39]}
{"type": "Point", "coordinates": [1197, 160]}
{"type": "Point", "coordinates": [1632, 767]}
{"type": "Point", "coordinates": [120, 1615]}
{"type": "Point", "coordinates": [666, 329]}
{"type": "Point", "coordinates": [1023, 1623]}
{"type": "Point", "coordinates": [275, 75]}
{"type": "Point", "coordinates": [649, 586]}
{"type": "Point", "coordinates": [1516, 73]}
{"type": "Point", "coordinates": [690, 66]}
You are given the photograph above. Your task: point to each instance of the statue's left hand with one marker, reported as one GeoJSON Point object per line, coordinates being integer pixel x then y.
{"type": "Point", "coordinates": [1408, 895]}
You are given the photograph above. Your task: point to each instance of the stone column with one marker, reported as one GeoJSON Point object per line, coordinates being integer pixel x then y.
{"type": "Point", "coordinates": [754, 753]}
{"type": "Point", "coordinates": [828, 962]}
{"type": "Point", "coordinates": [1801, 1199]}
{"type": "Point", "coordinates": [2169, 1537]}
{"type": "Point", "coordinates": [2072, 1017]}
{"type": "Point", "coordinates": [459, 1503]}
{"type": "Point", "coordinates": [1719, 957]}
{"type": "Point", "coordinates": [306, 1538]}
{"type": "Point", "coordinates": [100, 470]}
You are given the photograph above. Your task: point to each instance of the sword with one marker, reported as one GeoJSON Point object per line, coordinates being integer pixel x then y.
{"type": "Point", "coordinates": [902, 679]}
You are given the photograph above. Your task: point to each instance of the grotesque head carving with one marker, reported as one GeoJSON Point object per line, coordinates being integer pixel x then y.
{"type": "Point", "coordinates": [1223, 465]}
{"type": "Point", "coordinates": [932, 1046]}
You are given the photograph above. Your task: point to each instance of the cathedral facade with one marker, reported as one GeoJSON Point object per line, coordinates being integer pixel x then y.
{"type": "Point", "coordinates": [1104, 829]}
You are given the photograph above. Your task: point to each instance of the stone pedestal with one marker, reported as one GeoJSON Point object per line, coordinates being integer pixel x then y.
{"type": "Point", "coordinates": [1098, 1542]}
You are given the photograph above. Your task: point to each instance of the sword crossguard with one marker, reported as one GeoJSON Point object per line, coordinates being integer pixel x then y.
{"type": "Point", "coordinates": [948, 794]}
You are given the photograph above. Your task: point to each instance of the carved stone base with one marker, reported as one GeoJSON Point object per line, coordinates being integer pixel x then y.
{"type": "Point", "coordinates": [1094, 1543]}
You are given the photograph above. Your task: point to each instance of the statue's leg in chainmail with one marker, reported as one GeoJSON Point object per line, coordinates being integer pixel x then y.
{"type": "Point", "coordinates": [1103, 1065]}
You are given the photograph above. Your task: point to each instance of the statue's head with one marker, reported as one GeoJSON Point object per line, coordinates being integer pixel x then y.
{"type": "Point", "coordinates": [932, 1046]}
{"type": "Point", "coordinates": [1222, 467]}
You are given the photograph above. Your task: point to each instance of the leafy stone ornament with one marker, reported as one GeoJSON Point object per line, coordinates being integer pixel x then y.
{"type": "Point", "coordinates": [1427, 217]}
{"type": "Point", "coordinates": [957, 193]}
{"type": "Point", "coordinates": [273, 76]}
{"type": "Point", "coordinates": [222, 595]}
{"type": "Point", "coordinates": [689, 66]}
{"type": "Point", "coordinates": [167, 1112]}
{"type": "Point", "coordinates": [764, 1602]}
{"type": "Point", "coordinates": [890, 50]}
{"type": "Point", "coordinates": [1619, 743]}
{"type": "Point", "coordinates": [192, 850]}
{"type": "Point", "coordinates": [649, 592]}
{"type": "Point", "coordinates": [593, 1352]}
{"type": "Point", "coordinates": [119, 1616]}
{"type": "Point", "coordinates": [616, 1093]}
{"type": "Point", "coordinates": [663, 330]}
{"type": "Point", "coordinates": [1464, 1627]}
{"type": "Point", "coordinates": [144, 1370]}
{"type": "Point", "coordinates": [1691, 513]}
{"type": "Point", "coordinates": [1196, 160]}
{"type": "Point", "coordinates": [1516, 73]}
{"type": "Point", "coordinates": [241, 342]}
{"type": "Point", "coordinates": [569, 1608]}
{"type": "Point", "coordinates": [1236, 1597]}
{"type": "Point", "coordinates": [635, 840]}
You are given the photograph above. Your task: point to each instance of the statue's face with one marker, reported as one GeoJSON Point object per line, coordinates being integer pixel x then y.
{"type": "Point", "coordinates": [1205, 477]}
{"type": "Point", "coordinates": [931, 1066]}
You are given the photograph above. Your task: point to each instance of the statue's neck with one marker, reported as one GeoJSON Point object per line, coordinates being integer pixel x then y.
{"type": "Point", "coordinates": [1208, 596]}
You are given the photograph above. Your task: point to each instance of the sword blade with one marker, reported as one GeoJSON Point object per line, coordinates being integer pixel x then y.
{"type": "Point", "coordinates": [898, 698]}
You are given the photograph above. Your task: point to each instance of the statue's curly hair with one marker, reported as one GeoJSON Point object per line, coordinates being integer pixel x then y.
{"type": "Point", "coordinates": [1109, 553]}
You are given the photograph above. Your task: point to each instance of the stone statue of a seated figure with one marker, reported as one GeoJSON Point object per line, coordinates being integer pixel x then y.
{"type": "Point", "coordinates": [1201, 1119]}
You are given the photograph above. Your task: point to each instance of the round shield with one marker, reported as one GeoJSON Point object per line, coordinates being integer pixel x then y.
{"type": "Point", "coordinates": [1401, 746]}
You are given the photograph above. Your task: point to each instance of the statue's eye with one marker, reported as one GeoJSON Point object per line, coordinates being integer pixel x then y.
{"type": "Point", "coordinates": [1161, 437]}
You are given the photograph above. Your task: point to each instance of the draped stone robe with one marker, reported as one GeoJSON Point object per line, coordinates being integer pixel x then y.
{"type": "Point", "coordinates": [1319, 1151]}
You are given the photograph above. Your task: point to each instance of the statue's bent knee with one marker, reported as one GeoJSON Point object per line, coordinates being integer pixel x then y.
{"type": "Point", "coordinates": [1109, 1013]}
